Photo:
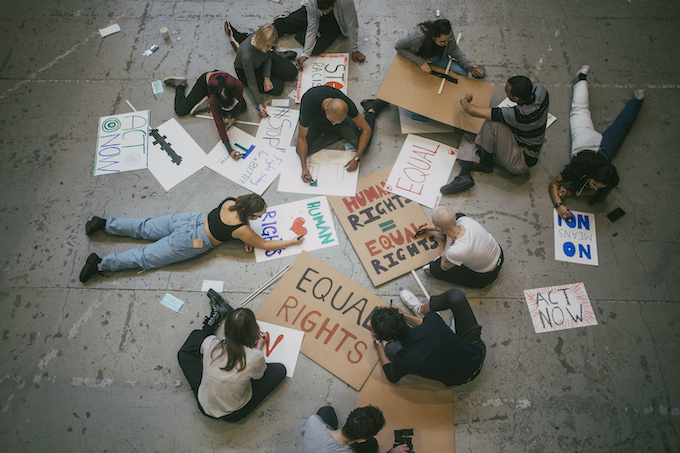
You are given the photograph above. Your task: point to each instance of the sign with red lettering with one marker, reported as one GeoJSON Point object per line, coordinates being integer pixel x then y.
{"type": "Point", "coordinates": [283, 345]}
{"type": "Point", "coordinates": [560, 307]}
{"type": "Point", "coordinates": [423, 166]}
{"type": "Point", "coordinates": [326, 69]}
{"type": "Point", "coordinates": [381, 227]}
{"type": "Point", "coordinates": [333, 311]}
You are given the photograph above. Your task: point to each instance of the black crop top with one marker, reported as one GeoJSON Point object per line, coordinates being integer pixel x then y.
{"type": "Point", "coordinates": [220, 230]}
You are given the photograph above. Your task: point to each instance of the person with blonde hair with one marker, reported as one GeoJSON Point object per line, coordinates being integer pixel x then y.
{"type": "Point", "coordinates": [180, 237]}
{"type": "Point", "coordinates": [229, 376]}
{"type": "Point", "coordinates": [257, 65]}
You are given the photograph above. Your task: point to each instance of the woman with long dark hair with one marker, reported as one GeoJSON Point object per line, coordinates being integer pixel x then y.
{"type": "Point", "coordinates": [429, 46]}
{"type": "Point", "coordinates": [180, 237]}
{"type": "Point", "coordinates": [591, 173]}
{"type": "Point", "coordinates": [229, 377]}
{"type": "Point", "coordinates": [222, 93]}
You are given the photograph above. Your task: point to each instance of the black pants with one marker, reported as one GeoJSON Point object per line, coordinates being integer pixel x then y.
{"type": "Point", "coordinates": [319, 137]}
{"type": "Point", "coordinates": [282, 71]}
{"type": "Point", "coordinates": [329, 417]}
{"type": "Point", "coordinates": [464, 276]}
{"type": "Point", "coordinates": [191, 362]}
{"type": "Point", "coordinates": [296, 23]}
{"type": "Point", "coordinates": [183, 105]}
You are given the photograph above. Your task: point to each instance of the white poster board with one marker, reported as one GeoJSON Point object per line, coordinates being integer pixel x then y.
{"type": "Point", "coordinates": [576, 240]}
{"type": "Point", "coordinates": [423, 166]}
{"type": "Point", "coordinates": [560, 307]}
{"type": "Point", "coordinates": [508, 103]}
{"type": "Point", "coordinates": [283, 345]}
{"type": "Point", "coordinates": [255, 171]}
{"type": "Point", "coordinates": [326, 69]}
{"type": "Point", "coordinates": [311, 217]}
{"type": "Point", "coordinates": [122, 143]}
{"type": "Point", "coordinates": [412, 123]}
{"type": "Point", "coordinates": [277, 130]}
{"type": "Point", "coordinates": [183, 160]}
{"type": "Point", "coordinates": [327, 168]}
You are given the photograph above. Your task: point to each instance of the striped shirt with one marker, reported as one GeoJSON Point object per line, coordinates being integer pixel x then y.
{"type": "Point", "coordinates": [527, 121]}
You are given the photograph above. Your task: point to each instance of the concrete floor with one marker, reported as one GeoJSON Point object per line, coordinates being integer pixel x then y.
{"type": "Point", "coordinates": [93, 368]}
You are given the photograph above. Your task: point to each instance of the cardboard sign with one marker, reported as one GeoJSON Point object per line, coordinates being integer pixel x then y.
{"type": "Point", "coordinates": [408, 86]}
{"type": "Point", "coordinates": [183, 158]}
{"type": "Point", "coordinates": [381, 227]}
{"type": "Point", "coordinates": [560, 307]}
{"type": "Point", "coordinates": [412, 123]}
{"type": "Point", "coordinates": [508, 103]}
{"type": "Point", "coordinates": [122, 143]}
{"type": "Point", "coordinates": [332, 310]}
{"type": "Point", "coordinates": [423, 166]}
{"type": "Point", "coordinates": [327, 168]}
{"type": "Point", "coordinates": [575, 240]}
{"type": "Point", "coordinates": [255, 171]}
{"type": "Point", "coordinates": [326, 69]}
{"type": "Point", "coordinates": [277, 130]}
{"type": "Point", "coordinates": [311, 218]}
{"type": "Point", "coordinates": [283, 345]}
{"type": "Point", "coordinates": [430, 400]}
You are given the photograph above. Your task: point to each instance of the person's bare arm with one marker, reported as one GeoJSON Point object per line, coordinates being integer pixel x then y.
{"type": "Point", "coordinates": [366, 132]}
{"type": "Point", "coordinates": [247, 235]}
{"type": "Point", "coordinates": [302, 152]}
{"type": "Point", "coordinates": [473, 110]}
{"type": "Point", "coordinates": [557, 191]}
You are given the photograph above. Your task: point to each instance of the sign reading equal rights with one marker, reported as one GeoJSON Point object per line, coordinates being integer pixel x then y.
{"type": "Point", "coordinates": [333, 312]}
{"type": "Point", "coordinates": [381, 227]}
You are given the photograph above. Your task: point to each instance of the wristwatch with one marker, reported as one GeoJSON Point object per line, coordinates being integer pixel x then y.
{"type": "Point", "coordinates": [357, 159]}
{"type": "Point", "coordinates": [376, 342]}
{"type": "Point", "coordinates": [557, 205]}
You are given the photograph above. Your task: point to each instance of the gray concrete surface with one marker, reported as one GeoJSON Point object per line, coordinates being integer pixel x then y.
{"type": "Point", "coordinates": [93, 368]}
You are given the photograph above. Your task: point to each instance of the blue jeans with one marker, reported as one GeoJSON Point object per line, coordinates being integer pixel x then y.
{"type": "Point", "coordinates": [441, 62]}
{"type": "Point", "coordinates": [613, 137]}
{"type": "Point", "coordinates": [173, 235]}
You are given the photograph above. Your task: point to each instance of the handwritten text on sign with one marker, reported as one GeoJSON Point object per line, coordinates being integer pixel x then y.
{"type": "Point", "coordinates": [560, 307]}
{"type": "Point", "coordinates": [333, 311]}
{"type": "Point", "coordinates": [575, 239]}
{"type": "Point", "coordinates": [327, 168]}
{"type": "Point", "coordinates": [325, 69]}
{"type": "Point", "coordinates": [311, 218]}
{"type": "Point", "coordinates": [278, 128]}
{"type": "Point", "coordinates": [382, 227]}
{"type": "Point", "coordinates": [423, 166]}
{"type": "Point", "coordinates": [122, 143]}
{"type": "Point", "coordinates": [283, 345]}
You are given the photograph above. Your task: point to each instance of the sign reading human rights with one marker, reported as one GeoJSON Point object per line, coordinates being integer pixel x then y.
{"type": "Point", "coordinates": [325, 69]}
{"type": "Point", "coordinates": [575, 239]}
{"type": "Point", "coordinates": [381, 227]}
{"type": "Point", "coordinates": [333, 312]}
{"type": "Point", "coordinates": [560, 307]}
{"type": "Point", "coordinates": [122, 143]}
{"type": "Point", "coordinates": [423, 166]}
{"type": "Point", "coordinates": [311, 218]}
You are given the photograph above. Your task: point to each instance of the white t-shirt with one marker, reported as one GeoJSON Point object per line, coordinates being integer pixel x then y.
{"type": "Point", "coordinates": [476, 249]}
{"type": "Point", "coordinates": [223, 392]}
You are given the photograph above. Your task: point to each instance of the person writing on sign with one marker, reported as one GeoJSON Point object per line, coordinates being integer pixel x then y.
{"type": "Point", "coordinates": [318, 23]}
{"type": "Point", "coordinates": [229, 376]}
{"type": "Point", "coordinates": [452, 355]}
{"type": "Point", "coordinates": [320, 432]}
{"type": "Point", "coordinates": [471, 256]}
{"type": "Point", "coordinates": [326, 116]}
{"type": "Point", "coordinates": [180, 237]}
{"type": "Point", "coordinates": [511, 137]}
{"type": "Point", "coordinates": [430, 45]}
{"type": "Point", "coordinates": [257, 65]}
{"type": "Point", "coordinates": [590, 172]}
{"type": "Point", "coordinates": [218, 91]}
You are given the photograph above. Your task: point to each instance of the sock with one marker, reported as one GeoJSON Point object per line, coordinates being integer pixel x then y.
{"type": "Point", "coordinates": [486, 158]}
{"type": "Point", "coordinates": [466, 167]}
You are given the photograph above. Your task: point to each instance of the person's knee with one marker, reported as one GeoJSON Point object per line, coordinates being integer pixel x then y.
{"type": "Point", "coordinates": [277, 371]}
{"type": "Point", "coordinates": [456, 297]}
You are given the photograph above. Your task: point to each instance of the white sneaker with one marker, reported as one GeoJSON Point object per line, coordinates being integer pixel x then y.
{"type": "Point", "coordinates": [201, 106]}
{"type": "Point", "coordinates": [639, 94]}
{"type": "Point", "coordinates": [411, 301]}
{"type": "Point", "coordinates": [584, 70]}
{"type": "Point", "coordinates": [175, 81]}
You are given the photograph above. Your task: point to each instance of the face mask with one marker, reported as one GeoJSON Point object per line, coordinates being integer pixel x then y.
{"type": "Point", "coordinates": [172, 303]}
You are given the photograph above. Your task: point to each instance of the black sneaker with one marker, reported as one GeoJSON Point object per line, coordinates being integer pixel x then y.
{"type": "Point", "coordinates": [219, 309]}
{"type": "Point", "coordinates": [481, 167]}
{"type": "Point", "coordinates": [375, 104]}
{"type": "Point", "coordinates": [91, 267]}
{"type": "Point", "coordinates": [94, 224]}
{"type": "Point", "coordinates": [460, 183]}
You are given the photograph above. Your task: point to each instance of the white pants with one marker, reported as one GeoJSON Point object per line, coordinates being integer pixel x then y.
{"type": "Point", "coordinates": [583, 133]}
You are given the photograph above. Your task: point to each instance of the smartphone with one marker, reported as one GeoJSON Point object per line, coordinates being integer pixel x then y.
{"type": "Point", "coordinates": [616, 214]}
